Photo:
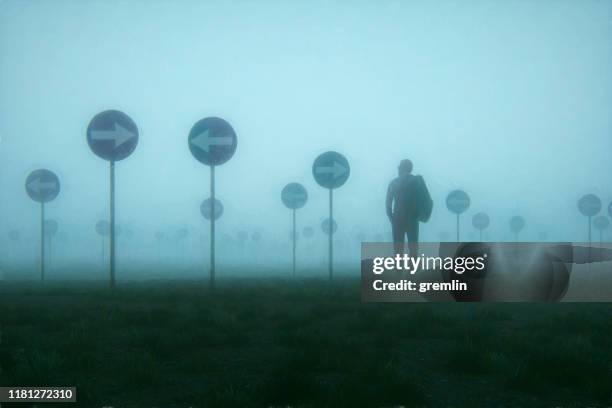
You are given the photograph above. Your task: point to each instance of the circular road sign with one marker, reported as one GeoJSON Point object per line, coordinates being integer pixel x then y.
{"type": "Point", "coordinates": [308, 232]}
{"type": "Point", "coordinates": [42, 185]}
{"type": "Point", "coordinates": [206, 209]}
{"type": "Point", "coordinates": [112, 135]}
{"type": "Point", "coordinates": [256, 236]}
{"type": "Point", "coordinates": [325, 226]}
{"type": "Point", "coordinates": [51, 227]}
{"type": "Point", "coordinates": [212, 141]}
{"type": "Point", "coordinates": [331, 170]}
{"type": "Point", "coordinates": [589, 205]}
{"type": "Point", "coordinates": [103, 228]}
{"type": "Point", "coordinates": [457, 201]}
{"type": "Point", "coordinates": [480, 221]}
{"type": "Point", "coordinates": [517, 223]}
{"type": "Point", "coordinates": [601, 223]}
{"type": "Point", "coordinates": [294, 196]}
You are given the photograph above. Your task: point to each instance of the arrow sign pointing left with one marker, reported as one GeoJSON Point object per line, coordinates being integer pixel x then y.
{"type": "Point", "coordinates": [42, 185]}
{"type": "Point", "coordinates": [118, 135]}
{"type": "Point", "coordinates": [205, 140]}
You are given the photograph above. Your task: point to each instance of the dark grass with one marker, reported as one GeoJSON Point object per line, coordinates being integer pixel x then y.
{"type": "Point", "coordinates": [302, 344]}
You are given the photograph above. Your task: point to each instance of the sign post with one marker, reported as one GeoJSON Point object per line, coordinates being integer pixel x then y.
{"type": "Point", "coordinates": [331, 170]}
{"type": "Point", "coordinates": [480, 221]}
{"type": "Point", "coordinates": [112, 135]}
{"type": "Point", "coordinates": [51, 227]}
{"type": "Point", "coordinates": [589, 205]}
{"type": "Point", "coordinates": [517, 223]}
{"type": "Point", "coordinates": [42, 186]}
{"type": "Point", "coordinates": [294, 196]}
{"type": "Point", "coordinates": [601, 223]}
{"type": "Point", "coordinates": [458, 202]}
{"type": "Point", "coordinates": [212, 141]}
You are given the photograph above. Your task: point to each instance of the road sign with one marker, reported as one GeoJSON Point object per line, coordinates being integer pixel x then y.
{"type": "Point", "coordinates": [457, 201]}
{"type": "Point", "coordinates": [308, 232]}
{"type": "Point", "coordinates": [42, 185]}
{"type": "Point", "coordinates": [212, 141]}
{"type": "Point", "coordinates": [325, 226]}
{"type": "Point", "coordinates": [181, 234]}
{"type": "Point", "coordinates": [331, 170]}
{"type": "Point", "coordinates": [601, 223]}
{"type": "Point", "coordinates": [610, 209]}
{"type": "Point", "coordinates": [256, 236]}
{"type": "Point", "coordinates": [51, 228]}
{"type": "Point", "coordinates": [589, 205]}
{"type": "Point", "coordinates": [14, 235]}
{"type": "Point", "coordinates": [159, 235]}
{"type": "Point", "coordinates": [480, 221]}
{"type": "Point", "coordinates": [112, 135]}
{"type": "Point", "coordinates": [206, 209]}
{"type": "Point", "coordinates": [517, 223]}
{"type": "Point", "coordinates": [294, 196]}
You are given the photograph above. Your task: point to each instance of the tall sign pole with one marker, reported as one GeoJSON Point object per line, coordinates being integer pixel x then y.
{"type": "Point", "coordinates": [331, 170]}
{"type": "Point", "coordinates": [294, 196]}
{"type": "Point", "coordinates": [212, 141]}
{"type": "Point", "coordinates": [112, 135]}
{"type": "Point", "coordinates": [42, 186]}
{"type": "Point", "coordinates": [457, 202]}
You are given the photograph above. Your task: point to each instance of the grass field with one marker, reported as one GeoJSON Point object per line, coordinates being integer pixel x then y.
{"type": "Point", "coordinates": [303, 344]}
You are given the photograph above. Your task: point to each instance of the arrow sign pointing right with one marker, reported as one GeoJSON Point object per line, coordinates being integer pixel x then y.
{"type": "Point", "coordinates": [119, 135]}
{"type": "Point", "coordinates": [336, 170]}
{"type": "Point", "coordinates": [204, 141]}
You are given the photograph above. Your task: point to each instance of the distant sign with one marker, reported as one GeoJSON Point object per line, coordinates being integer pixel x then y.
{"type": "Point", "coordinates": [112, 135]}
{"type": "Point", "coordinates": [308, 232]}
{"type": "Point", "coordinates": [589, 205]}
{"type": "Point", "coordinates": [182, 233]}
{"type": "Point", "coordinates": [457, 201]}
{"type": "Point", "coordinates": [212, 141]}
{"type": "Point", "coordinates": [256, 236]}
{"type": "Point", "coordinates": [294, 196]}
{"type": "Point", "coordinates": [103, 228]}
{"type": "Point", "coordinates": [159, 235]}
{"type": "Point", "coordinates": [331, 170]}
{"type": "Point", "coordinates": [610, 209]}
{"type": "Point", "coordinates": [517, 223]}
{"type": "Point", "coordinates": [601, 223]}
{"type": "Point", "coordinates": [51, 227]}
{"type": "Point", "coordinates": [42, 185]}
{"type": "Point", "coordinates": [480, 221]}
{"type": "Point", "coordinates": [325, 227]}
{"type": "Point", "coordinates": [206, 209]}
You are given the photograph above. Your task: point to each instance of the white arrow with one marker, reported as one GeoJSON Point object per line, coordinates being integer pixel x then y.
{"type": "Point", "coordinates": [38, 186]}
{"type": "Point", "coordinates": [119, 135]}
{"type": "Point", "coordinates": [337, 170]}
{"type": "Point", "coordinates": [204, 140]}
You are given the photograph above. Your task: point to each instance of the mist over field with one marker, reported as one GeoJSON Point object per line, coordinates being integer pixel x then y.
{"type": "Point", "coordinates": [509, 101]}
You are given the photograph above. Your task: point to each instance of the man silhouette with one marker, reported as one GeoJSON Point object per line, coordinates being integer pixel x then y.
{"type": "Point", "coordinates": [408, 202]}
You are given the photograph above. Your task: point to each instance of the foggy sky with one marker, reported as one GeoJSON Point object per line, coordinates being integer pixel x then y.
{"type": "Point", "coordinates": [509, 101]}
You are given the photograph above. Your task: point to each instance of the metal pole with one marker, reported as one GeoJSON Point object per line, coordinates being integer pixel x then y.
{"type": "Point", "coordinates": [294, 243]}
{"type": "Point", "coordinates": [457, 227]}
{"type": "Point", "coordinates": [212, 227]}
{"type": "Point", "coordinates": [112, 224]}
{"type": "Point", "coordinates": [42, 242]}
{"type": "Point", "coordinates": [331, 232]}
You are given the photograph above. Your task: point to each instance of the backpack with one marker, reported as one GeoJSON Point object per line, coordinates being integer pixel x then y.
{"type": "Point", "coordinates": [418, 202]}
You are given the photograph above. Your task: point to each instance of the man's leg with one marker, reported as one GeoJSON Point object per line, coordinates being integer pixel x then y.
{"type": "Point", "coordinates": [398, 230]}
{"type": "Point", "coordinates": [413, 238]}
